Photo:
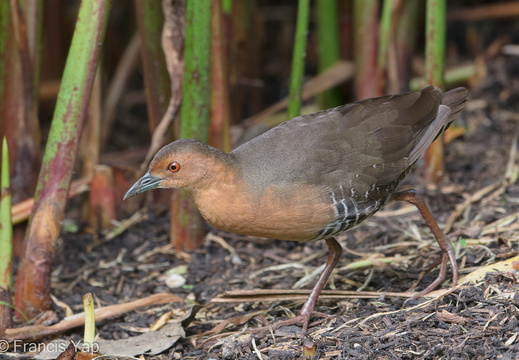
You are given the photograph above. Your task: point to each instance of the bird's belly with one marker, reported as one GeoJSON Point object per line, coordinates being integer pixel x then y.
{"type": "Point", "coordinates": [295, 213]}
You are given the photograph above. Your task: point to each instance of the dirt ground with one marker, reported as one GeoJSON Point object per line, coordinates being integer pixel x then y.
{"type": "Point", "coordinates": [475, 321]}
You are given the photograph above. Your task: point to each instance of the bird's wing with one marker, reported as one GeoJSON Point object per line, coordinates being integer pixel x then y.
{"type": "Point", "coordinates": [363, 143]}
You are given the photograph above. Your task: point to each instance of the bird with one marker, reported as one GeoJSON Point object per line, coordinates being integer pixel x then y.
{"type": "Point", "coordinates": [315, 176]}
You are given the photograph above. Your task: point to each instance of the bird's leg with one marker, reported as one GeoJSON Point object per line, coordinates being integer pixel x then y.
{"type": "Point", "coordinates": [308, 309]}
{"type": "Point", "coordinates": [334, 254]}
{"type": "Point", "coordinates": [447, 253]}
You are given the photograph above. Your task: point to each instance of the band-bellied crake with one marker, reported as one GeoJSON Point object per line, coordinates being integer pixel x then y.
{"type": "Point", "coordinates": [315, 176]}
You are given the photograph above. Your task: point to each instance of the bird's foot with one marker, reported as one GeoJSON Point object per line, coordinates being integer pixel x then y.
{"type": "Point", "coordinates": [443, 261]}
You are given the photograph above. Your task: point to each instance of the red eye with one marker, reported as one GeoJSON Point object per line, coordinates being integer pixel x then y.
{"type": "Point", "coordinates": [174, 166]}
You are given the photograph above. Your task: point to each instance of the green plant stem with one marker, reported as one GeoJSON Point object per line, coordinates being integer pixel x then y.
{"type": "Point", "coordinates": [226, 6]}
{"type": "Point", "coordinates": [329, 46]}
{"type": "Point", "coordinates": [6, 227]}
{"type": "Point", "coordinates": [434, 167]}
{"type": "Point", "coordinates": [32, 293]}
{"type": "Point", "coordinates": [197, 55]}
{"type": "Point", "coordinates": [90, 321]}
{"type": "Point", "coordinates": [187, 226]}
{"type": "Point", "coordinates": [298, 59]}
{"type": "Point", "coordinates": [435, 42]}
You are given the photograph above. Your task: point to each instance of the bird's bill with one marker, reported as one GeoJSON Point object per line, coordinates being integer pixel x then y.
{"type": "Point", "coordinates": [145, 183]}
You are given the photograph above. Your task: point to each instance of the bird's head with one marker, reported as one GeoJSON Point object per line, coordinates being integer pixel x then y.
{"type": "Point", "coordinates": [182, 164]}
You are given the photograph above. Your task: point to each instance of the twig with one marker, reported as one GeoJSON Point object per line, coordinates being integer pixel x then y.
{"type": "Point", "coordinates": [235, 258]}
{"type": "Point", "coordinates": [136, 218]}
{"type": "Point", "coordinates": [268, 295]}
{"type": "Point", "coordinates": [295, 265]}
{"type": "Point", "coordinates": [307, 278]}
{"type": "Point", "coordinates": [253, 341]}
{"type": "Point", "coordinates": [39, 331]}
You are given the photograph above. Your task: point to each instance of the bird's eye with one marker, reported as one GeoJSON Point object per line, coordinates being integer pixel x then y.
{"type": "Point", "coordinates": [174, 166]}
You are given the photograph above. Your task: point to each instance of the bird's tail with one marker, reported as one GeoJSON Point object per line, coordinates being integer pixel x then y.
{"type": "Point", "coordinates": [452, 104]}
{"type": "Point", "coordinates": [455, 99]}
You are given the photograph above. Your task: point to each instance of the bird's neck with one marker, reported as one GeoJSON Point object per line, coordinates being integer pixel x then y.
{"type": "Point", "coordinates": [222, 172]}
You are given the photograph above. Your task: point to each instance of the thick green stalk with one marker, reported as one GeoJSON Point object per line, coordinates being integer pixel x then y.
{"type": "Point", "coordinates": [298, 59]}
{"type": "Point", "coordinates": [328, 46]}
{"type": "Point", "coordinates": [32, 293]}
{"type": "Point", "coordinates": [434, 74]}
{"type": "Point", "coordinates": [6, 227]}
{"type": "Point", "coordinates": [187, 226]}
{"type": "Point", "coordinates": [435, 28]}
{"type": "Point", "coordinates": [197, 56]}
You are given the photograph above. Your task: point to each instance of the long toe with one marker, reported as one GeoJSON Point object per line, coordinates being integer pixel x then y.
{"type": "Point", "coordinates": [437, 281]}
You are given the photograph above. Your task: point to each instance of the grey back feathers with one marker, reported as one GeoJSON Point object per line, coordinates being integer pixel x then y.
{"type": "Point", "coordinates": [367, 142]}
